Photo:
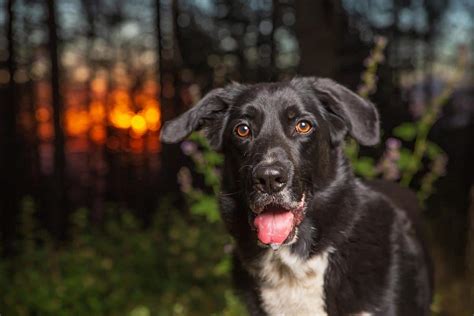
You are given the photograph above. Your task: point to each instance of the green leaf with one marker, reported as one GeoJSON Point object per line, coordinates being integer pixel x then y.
{"type": "Point", "coordinates": [200, 139]}
{"type": "Point", "coordinates": [405, 131]}
{"type": "Point", "coordinates": [223, 267]}
{"type": "Point", "coordinates": [140, 311]}
{"type": "Point", "coordinates": [406, 158]}
{"type": "Point", "coordinates": [364, 166]}
{"type": "Point", "coordinates": [213, 158]}
{"type": "Point", "coordinates": [351, 149]}
{"type": "Point", "coordinates": [207, 206]}
{"type": "Point", "coordinates": [433, 150]}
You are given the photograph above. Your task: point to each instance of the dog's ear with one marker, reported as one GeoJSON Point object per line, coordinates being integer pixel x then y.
{"type": "Point", "coordinates": [208, 114]}
{"type": "Point", "coordinates": [349, 112]}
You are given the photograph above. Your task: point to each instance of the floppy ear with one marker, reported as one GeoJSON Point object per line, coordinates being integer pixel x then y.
{"type": "Point", "coordinates": [352, 113]}
{"type": "Point", "coordinates": [208, 114]}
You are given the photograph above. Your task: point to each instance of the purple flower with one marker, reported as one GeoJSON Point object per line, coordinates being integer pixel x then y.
{"type": "Point", "coordinates": [387, 165]}
{"type": "Point", "coordinates": [188, 148]}
{"type": "Point", "coordinates": [393, 143]}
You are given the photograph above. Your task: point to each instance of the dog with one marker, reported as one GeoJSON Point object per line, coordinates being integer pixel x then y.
{"type": "Point", "coordinates": [311, 238]}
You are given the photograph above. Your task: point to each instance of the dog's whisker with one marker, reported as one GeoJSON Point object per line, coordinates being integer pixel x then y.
{"type": "Point", "coordinates": [230, 193]}
{"type": "Point", "coordinates": [243, 167]}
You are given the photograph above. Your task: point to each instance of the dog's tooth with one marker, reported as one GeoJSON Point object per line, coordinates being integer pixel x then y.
{"type": "Point", "coordinates": [275, 246]}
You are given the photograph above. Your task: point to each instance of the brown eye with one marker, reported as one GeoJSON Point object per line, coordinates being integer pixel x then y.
{"type": "Point", "coordinates": [242, 130]}
{"type": "Point", "coordinates": [303, 127]}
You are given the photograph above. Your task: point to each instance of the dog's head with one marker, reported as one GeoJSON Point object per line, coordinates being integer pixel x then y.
{"type": "Point", "coordinates": [279, 142]}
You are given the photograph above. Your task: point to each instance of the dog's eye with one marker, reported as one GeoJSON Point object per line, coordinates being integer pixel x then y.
{"type": "Point", "coordinates": [303, 127]}
{"type": "Point", "coordinates": [242, 130]}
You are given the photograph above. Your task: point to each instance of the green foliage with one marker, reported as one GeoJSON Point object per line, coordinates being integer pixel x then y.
{"type": "Point", "coordinates": [433, 151]}
{"type": "Point", "coordinates": [411, 162]}
{"type": "Point", "coordinates": [207, 161]}
{"type": "Point", "coordinates": [364, 166]}
{"type": "Point", "coordinates": [369, 76]}
{"type": "Point", "coordinates": [177, 266]}
{"type": "Point", "coordinates": [405, 131]}
{"type": "Point", "coordinates": [204, 205]}
{"type": "Point", "coordinates": [406, 159]}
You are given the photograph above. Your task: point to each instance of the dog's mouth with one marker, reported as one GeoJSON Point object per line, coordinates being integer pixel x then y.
{"type": "Point", "coordinates": [276, 223]}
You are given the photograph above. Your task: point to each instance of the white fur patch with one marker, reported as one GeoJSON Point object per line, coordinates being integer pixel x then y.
{"type": "Point", "coordinates": [290, 285]}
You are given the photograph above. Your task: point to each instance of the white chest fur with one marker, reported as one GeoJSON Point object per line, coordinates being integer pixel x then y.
{"type": "Point", "coordinates": [292, 286]}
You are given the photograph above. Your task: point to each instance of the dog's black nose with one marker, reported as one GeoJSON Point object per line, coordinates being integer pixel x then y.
{"type": "Point", "coordinates": [270, 179]}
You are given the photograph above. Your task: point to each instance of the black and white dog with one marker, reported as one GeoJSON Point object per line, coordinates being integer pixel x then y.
{"type": "Point", "coordinates": [311, 239]}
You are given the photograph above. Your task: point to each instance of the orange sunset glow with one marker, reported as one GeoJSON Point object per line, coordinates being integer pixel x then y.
{"type": "Point", "coordinates": [95, 113]}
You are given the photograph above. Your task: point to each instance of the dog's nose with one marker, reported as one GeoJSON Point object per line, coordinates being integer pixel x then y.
{"type": "Point", "coordinates": [270, 179]}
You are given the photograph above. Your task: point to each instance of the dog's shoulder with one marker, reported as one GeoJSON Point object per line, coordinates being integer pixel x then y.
{"type": "Point", "coordinates": [404, 205]}
{"type": "Point", "coordinates": [402, 198]}
{"type": "Point", "coordinates": [383, 253]}
{"type": "Point", "coordinates": [411, 230]}
{"type": "Point", "coordinates": [385, 198]}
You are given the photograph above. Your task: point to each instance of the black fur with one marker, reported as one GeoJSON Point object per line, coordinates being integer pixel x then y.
{"type": "Point", "coordinates": [379, 264]}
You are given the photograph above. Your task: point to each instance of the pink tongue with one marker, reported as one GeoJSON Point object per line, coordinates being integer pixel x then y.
{"type": "Point", "coordinates": [274, 227]}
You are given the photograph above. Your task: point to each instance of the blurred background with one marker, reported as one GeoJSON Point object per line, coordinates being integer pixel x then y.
{"type": "Point", "coordinates": [98, 217]}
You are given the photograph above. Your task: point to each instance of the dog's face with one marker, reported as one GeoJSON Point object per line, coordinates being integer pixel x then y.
{"type": "Point", "coordinates": [278, 140]}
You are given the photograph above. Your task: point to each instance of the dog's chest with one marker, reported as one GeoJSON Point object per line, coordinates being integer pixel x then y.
{"type": "Point", "coordinates": [290, 285]}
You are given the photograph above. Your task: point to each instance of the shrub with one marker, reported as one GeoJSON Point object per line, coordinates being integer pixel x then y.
{"type": "Point", "coordinates": [177, 266]}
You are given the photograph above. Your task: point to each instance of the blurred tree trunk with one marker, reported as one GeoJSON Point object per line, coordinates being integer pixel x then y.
{"type": "Point", "coordinates": [470, 247]}
{"type": "Point", "coordinates": [29, 146]}
{"type": "Point", "coordinates": [9, 144]}
{"type": "Point", "coordinates": [59, 209]}
{"type": "Point", "coordinates": [97, 156]}
{"type": "Point", "coordinates": [273, 54]}
{"type": "Point", "coordinates": [266, 45]}
{"type": "Point", "coordinates": [159, 44]}
{"type": "Point", "coordinates": [166, 48]}
{"type": "Point", "coordinates": [165, 23]}
{"type": "Point", "coordinates": [319, 28]}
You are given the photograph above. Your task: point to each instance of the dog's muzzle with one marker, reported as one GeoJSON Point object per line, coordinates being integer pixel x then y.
{"type": "Point", "coordinates": [276, 221]}
{"type": "Point", "coordinates": [270, 179]}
